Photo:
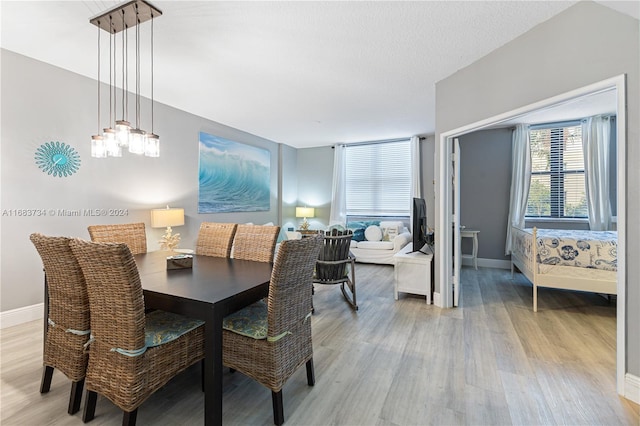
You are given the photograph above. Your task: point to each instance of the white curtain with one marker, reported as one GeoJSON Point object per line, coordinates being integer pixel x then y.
{"type": "Point", "coordinates": [595, 145]}
{"type": "Point", "coordinates": [338, 215]}
{"type": "Point", "coordinates": [520, 180]}
{"type": "Point", "coordinates": [414, 147]}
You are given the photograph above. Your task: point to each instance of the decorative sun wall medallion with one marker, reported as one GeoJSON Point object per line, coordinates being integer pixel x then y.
{"type": "Point", "coordinates": [57, 159]}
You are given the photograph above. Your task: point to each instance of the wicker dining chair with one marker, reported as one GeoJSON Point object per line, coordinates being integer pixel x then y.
{"type": "Point", "coordinates": [68, 316]}
{"type": "Point", "coordinates": [215, 239]}
{"type": "Point", "coordinates": [336, 264]}
{"type": "Point", "coordinates": [132, 234]}
{"type": "Point", "coordinates": [131, 354]}
{"type": "Point", "coordinates": [269, 341]}
{"type": "Point", "coordinates": [255, 242]}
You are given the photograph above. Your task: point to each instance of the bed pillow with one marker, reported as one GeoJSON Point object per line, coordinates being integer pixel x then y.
{"type": "Point", "coordinates": [373, 233]}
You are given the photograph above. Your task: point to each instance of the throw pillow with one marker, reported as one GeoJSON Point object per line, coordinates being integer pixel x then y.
{"type": "Point", "coordinates": [358, 235]}
{"type": "Point", "coordinates": [373, 233]}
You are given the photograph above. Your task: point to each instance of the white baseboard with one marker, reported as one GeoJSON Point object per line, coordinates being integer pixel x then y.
{"type": "Point", "coordinates": [632, 388]}
{"type": "Point", "coordinates": [437, 300]}
{"type": "Point", "coordinates": [21, 315]}
{"type": "Point", "coordinates": [488, 263]}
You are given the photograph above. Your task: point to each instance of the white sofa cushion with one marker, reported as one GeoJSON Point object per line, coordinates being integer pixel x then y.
{"type": "Point", "coordinates": [373, 233]}
{"type": "Point", "coordinates": [376, 245]}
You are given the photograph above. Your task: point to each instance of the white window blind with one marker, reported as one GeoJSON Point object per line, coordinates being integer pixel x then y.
{"type": "Point", "coordinates": [557, 172]}
{"type": "Point", "coordinates": [378, 179]}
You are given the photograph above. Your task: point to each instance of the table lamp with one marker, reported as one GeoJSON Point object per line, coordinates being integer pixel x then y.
{"type": "Point", "coordinates": [305, 212]}
{"type": "Point", "coordinates": [168, 217]}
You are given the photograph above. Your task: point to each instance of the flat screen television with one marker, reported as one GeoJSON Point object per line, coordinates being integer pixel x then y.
{"type": "Point", "coordinates": [419, 225]}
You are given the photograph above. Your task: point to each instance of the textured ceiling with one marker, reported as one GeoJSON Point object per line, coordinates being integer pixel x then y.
{"type": "Point", "coordinates": [300, 73]}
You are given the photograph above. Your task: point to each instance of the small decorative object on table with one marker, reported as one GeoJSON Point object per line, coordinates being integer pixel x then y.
{"type": "Point", "coordinates": [180, 261]}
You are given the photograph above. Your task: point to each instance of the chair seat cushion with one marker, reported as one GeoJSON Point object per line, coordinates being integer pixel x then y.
{"type": "Point", "coordinates": [163, 327]}
{"type": "Point", "coordinates": [250, 321]}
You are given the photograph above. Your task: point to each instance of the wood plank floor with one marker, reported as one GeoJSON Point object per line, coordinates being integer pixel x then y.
{"type": "Point", "coordinates": [490, 362]}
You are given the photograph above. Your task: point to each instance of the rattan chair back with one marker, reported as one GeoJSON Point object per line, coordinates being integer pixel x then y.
{"type": "Point", "coordinates": [115, 293]}
{"type": "Point", "coordinates": [132, 234]}
{"type": "Point", "coordinates": [118, 325]}
{"type": "Point", "coordinates": [289, 301]}
{"type": "Point", "coordinates": [288, 345]}
{"type": "Point", "coordinates": [255, 242]}
{"type": "Point", "coordinates": [68, 322]}
{"type": "Point", "coordinates": [215, 239]}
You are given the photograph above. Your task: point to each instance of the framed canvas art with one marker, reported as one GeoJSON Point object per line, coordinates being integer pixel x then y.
{"type": "Point", "coordinates": [233, 177]}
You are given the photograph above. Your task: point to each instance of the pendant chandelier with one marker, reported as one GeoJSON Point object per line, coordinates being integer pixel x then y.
{"type": "Point", "coordinates": [119, 134]}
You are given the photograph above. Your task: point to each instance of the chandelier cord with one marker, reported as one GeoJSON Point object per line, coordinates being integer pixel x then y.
{"type": "Point", "coordinates": [110, 72]}
{"type": "Point", "coordinates": [123, 68]}
{"type": "Point", "coordinates": [137, 69]}
{"type": "Point", "coordinates": [98, 85]}
{"type": "Point", "coordinates": [152, 72]}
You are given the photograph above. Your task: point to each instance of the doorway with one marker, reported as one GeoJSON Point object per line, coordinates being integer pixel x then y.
{"type": "Point", "coordinates": [449, 187]}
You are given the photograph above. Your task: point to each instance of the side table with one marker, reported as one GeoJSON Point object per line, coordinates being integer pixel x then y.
{"type": "Point", "coordinates": [471, 233]}
{"type": "Point", "coordinates": [412, 272]}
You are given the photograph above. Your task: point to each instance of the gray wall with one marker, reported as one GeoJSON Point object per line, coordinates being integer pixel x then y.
{"type": "Point", "coordinates": [485, 181]}
{"type": "Point", "coordinates": [289, 186]}
{"type": "Point", "coordinates": [585, 44]}
{"type": "Point", "coordinates": [42, 103]}
{"type": "Point", "coordinates": [315, 178]}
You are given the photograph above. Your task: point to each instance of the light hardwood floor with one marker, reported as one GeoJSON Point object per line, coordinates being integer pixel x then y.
{"type": "Point", "coordinates": [490, 362]}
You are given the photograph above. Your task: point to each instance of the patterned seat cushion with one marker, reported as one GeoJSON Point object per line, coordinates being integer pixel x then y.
{"type": "Point", "coordinates": [163, 327]}
{"type": "Point", "coordinates": [250, 321]}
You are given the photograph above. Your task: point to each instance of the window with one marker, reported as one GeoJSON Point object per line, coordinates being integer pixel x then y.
{"type": "Point", "coordinates": [557, 172]}
{"type": "Point", "coordinates": [378, 179]}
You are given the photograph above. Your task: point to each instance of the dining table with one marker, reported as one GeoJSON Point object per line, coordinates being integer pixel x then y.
{"type": "Point", "coordinates": [210, 289]}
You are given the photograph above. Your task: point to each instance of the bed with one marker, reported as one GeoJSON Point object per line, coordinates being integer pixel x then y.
{"type": "Point", "coordinates": [566, 259]}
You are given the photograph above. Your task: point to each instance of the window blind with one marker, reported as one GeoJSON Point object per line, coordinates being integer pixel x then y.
{"type": "Point", "coordinates": [378, 179]}
{"type": "Point", "coordinates": [557, 172]}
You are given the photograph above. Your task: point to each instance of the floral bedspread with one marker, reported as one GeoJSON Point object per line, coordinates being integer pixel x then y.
{"type": "Point", "coordinates": [586, 249]}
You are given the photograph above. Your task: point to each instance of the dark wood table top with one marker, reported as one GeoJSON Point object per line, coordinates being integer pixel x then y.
{"type": "Point", "coordinates": [211, 279]}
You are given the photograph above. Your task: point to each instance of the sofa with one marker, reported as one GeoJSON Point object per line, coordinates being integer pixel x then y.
{"type": "Point", "coordinates": [377, 242]}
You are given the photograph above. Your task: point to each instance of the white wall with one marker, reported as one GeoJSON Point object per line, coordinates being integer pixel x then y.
{"type": "Point", "coordinates": [584, 44]}
{"type": "Point", "coordinates": [42, 103]}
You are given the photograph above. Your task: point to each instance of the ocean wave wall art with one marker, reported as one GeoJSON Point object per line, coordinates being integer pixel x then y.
{"type": "Point", "coordinates": [233, 177]}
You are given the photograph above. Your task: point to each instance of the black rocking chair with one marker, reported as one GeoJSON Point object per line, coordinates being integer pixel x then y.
{"type": "Point", "coordinates": [336, 264]}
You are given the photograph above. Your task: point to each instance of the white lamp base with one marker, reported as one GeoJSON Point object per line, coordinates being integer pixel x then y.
{"type": "Point", "coordinates": [169, 241]}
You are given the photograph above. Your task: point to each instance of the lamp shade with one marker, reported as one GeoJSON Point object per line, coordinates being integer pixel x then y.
{"type": "Point", "coordinates": [161, 218]}
{"type": "Point", "coordinates": [305, 212]}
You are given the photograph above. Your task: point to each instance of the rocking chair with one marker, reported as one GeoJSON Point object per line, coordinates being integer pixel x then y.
{"type": "Point", "coordinates": [336, 264]}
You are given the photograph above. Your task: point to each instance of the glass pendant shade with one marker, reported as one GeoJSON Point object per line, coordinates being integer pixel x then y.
{"type": "Point", "coordinates": [108, 134]}
{"type": "Point", "coordinates": [123, 128]}
{"type": "Point", "coordinates": [98, 149]}
{"type": "Point", "coordinates": [136, 141]}
{"type": "Point", "coordinates": [111, 143]}
{"type": "Point", "coordinates": [152, 145]}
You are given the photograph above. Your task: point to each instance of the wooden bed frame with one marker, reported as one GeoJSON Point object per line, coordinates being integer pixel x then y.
{"type": "Point", "coordinates": [606, 282]}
